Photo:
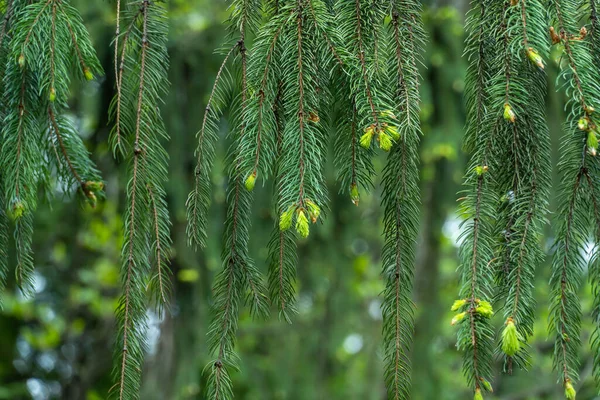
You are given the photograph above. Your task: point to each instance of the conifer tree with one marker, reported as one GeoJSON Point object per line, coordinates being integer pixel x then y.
{"type": "Point", "coordinates": [137, 136]}
{"type": "Point", "coordinates": [43, 45]}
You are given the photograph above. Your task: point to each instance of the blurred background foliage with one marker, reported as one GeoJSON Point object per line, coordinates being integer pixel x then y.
{"type": "Point", "coordinates": [58, 345]}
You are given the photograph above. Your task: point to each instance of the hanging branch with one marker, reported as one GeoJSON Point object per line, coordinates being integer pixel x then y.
{"type": "Point", "coordinates": [198, 201]}
{"type": "Point", "coordinates": [304, 63]}
{"type": "Point", "coordinates": [578, 198]}
{"type": "Point", "coordinates": [357, 27]}
{"type": "Point", "coordinates": [239, 276]}
{"type": "Point", "coordinates": [521, 169]}
{"type": "Point", "coordinates": [282, 246]}
{"type": "Point", "coordinates": [142, 78]}
{"type": "Point", "coordinates": [401, 198]}
{"type": "Point", "coordinates": [476, 251]}
{"type": "Point", "coordinates": [36, 89]}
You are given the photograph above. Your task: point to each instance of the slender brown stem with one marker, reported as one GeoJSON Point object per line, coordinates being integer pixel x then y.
{"type": "Point", "coordinates": [301, 116]}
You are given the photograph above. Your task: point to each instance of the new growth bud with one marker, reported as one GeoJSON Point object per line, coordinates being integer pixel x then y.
{"type": "Point", "coordinates": [535, 57]}
{"type": "Point", "coordinates": [458, 318]}
{"type": "Point", "coordinates": [484, 309]}
{"type": "Point", "coordinates": [365, 140]}
{"type": "Point", "coordinates": [478, 395]}
{"type": "Point", "coordinates": [582, 124]}
{"type": "Point", "coordinates": [354, 195]}
{"type": "Point", "coordinates": [385, 142]}
{"type": "Point", "coordinates": [302, 226]}
{"type": "Point", "coordinates": [553, 36]}
{"type": "Point", "coordinates": [88, 74]}
{"type": "Point", "coordinates": [93, 186]}
{"type": "Point", "coordinates": [510, 338]}
{"type": "Point", "coordinates": [250, 181]}
{"type": "Point", "coordinates": [21, 61]}
{"type": "Point", "coordinates": [481, 169]}
{"type": "Point", "coordinates": [458, 304]}
{"type": "Point", "coordinates": [509, 114]}
{"type": "Point", "coordinates": [486, 385]}
{"type": "Point", "coordinates": [18, 210]}
{"type": "Point", "coordinates": [52, 95]}
{"type": "Point", "coordinates": [570, 392]}
{"type": "Point", "coordinates": [313, 210]}
{"type": "Point", "coordinates": [285, 220]}
{"type": "Point", "coordinates": [392, 131]}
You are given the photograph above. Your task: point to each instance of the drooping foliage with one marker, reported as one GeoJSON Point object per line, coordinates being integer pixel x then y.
{"type": "Point", "coordinates": [320, 75]}
{"type": "Point", "coordinates": [578, 217]}
{"type": "Point", "coordinates": [141, 80]}
{"type": "Point", "coordinates": [43, 46]}
{"type": "Point", "coordinates": [508, 182]}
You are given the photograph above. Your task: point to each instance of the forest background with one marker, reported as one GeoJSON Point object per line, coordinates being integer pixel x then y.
{"type": "Point", "coordinates": [58, 344]}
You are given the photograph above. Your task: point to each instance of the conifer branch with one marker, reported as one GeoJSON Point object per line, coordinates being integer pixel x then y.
{"type": "Point", "coordinates": [282, 247]}
{"type": "Point", "coordinates": [577, 198]}
{"type": "Point", "coordinates": [28, 153]}
{"type": "Point", "coordinates": [476, 252]}
{"type": "Point", "coordinates": [142, 77]}
{"type": "Point", "coordinates": [199, 199]}
{"type": "Point", "coordinates": [401, 200]}
{"type": "Point", "coordinates": [238, 274]}
{"type": "Point", "coordinates": [520, 169]}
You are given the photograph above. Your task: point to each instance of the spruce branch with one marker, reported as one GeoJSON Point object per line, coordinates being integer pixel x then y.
{"type": "Point", "coordinates": [282, 246]}
{"type": "Point", "coordinates": [476, 251]}
{"type": "Point", "coordinates": [239, 274]}
{"type": "Point", "coordinates": [198, 200]}
{"type": "Point", "coordinates": [142, 77]}
{"type": "Point", "coordinates": [521, 170]}
{"type": "Point", "coordinates": [401, 199]}
{"type": "Point", "coordinates": [577, 198]}
{"type": "Point", "coordinates": [29, 155]}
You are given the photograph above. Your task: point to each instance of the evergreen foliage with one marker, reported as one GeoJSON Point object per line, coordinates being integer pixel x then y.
{"type": "Point", "coordinates": [303, 81]}
{"type": "Point", "coordinates": [317, 77]}
{"type": "Point", "coordinates": [508, 181]}
{"type": "Point", "coordinates": [578, 216]}
{"type": "Point", "coordinates": [138, 133]}
{"type": "Point", "coordinates": [43, 45]}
